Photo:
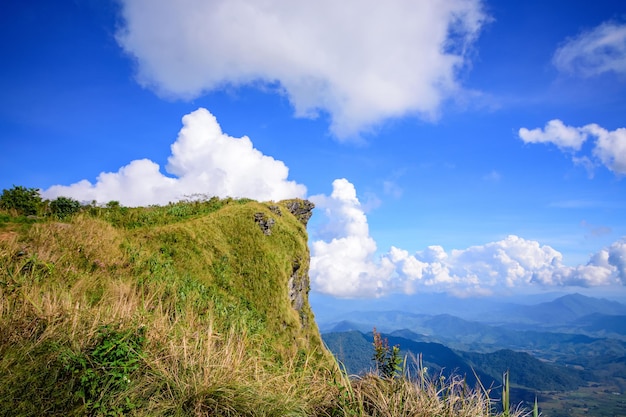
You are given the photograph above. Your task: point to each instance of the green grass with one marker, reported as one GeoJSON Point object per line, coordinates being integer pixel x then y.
{"type": "Point", "coordinates": [181, 310]}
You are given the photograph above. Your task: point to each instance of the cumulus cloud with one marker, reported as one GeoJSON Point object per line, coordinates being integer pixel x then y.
{"type": "Point", "coordinates": [361, 61]}
{"type": "Point", "coordinates": [609, 147]}
{"type": "Point", "coordinates": [346, 263]}
{"type": "Point", "coordinates": [204, 160]}
{"type": "Point", "coordinates": [617, 258]}
{"type": "Point", "coordinates": [599, 50]}
{"type": "Point", "coordinates": [565, 137]}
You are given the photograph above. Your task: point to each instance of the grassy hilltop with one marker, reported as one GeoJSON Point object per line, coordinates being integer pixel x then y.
{"type": "Point", "coordinates": [191, 309]}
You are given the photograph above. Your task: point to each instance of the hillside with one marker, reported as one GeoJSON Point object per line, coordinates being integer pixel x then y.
{"type": "Point", "coordinates": [192, 309]}
{"type": "Point", "coordinates": [351, 348]}
{"type": "Point", "coordinates": [110, 305]}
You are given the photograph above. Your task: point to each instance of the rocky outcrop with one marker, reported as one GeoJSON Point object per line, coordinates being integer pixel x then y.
{"type": "Point", "coordinates": [264, 222]}
{"type": "Point", "coordinates": [298, 286]}
{"type": "Point", "coordinates": [302, 209]}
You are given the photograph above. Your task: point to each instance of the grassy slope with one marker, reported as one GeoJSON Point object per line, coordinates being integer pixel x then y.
{"type": "Point", "coordinates": [193, 299]}
{"type": "Point", "coordinates": [182, 310]}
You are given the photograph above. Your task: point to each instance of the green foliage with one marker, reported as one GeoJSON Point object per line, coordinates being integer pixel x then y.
{"type": "Point", "coordinates": [107, 369]}
{"type": "Point", "coordinates": [137, 217]}
{"type": "Point", "coordinates": [113, 204]}
{"type": "Point", "coordinates": [25, 201]}
{"type": "Point", "coordinates": [388, 360]}
{"type": "Point", "coordinates": [64, 207]}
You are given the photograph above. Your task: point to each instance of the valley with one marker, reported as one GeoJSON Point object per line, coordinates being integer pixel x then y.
{"type": "Point", "coordinates": [570, 352]}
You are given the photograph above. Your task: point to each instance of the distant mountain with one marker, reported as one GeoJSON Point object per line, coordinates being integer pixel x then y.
{"type": "Point", "coordinates": [411, 335]}
{"type": "Point", "coordinates": [439, 359]}
{"type": "Point", "coordinates": [355, 350]}
{"type": "Point", "coordinates": [563, 310]}
{"type": "Point", "coordinates": [481, 337]}
{"type": "Point", "coordinates": [352, 350]}
{"type": "Point", "coordinates": [608, 325]}
{"type": "Point", "coordinates": [345, 326]}
{"type": "Point", "coordinates": [327, 310]}
{"type": "Point", "coordinates": [525, 370]}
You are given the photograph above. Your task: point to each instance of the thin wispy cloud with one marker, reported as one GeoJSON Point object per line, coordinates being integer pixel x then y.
{"type": "Point", "coordinates": [493, 176]}
{"type": "Point", "coordinates": [594, 52]}
{"type": "Point", "coordinates": [361, 62]}
{"type": "Point", "coordinates": [595, 230]}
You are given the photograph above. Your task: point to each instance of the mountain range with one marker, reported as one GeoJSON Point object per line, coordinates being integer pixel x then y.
{"type": "Point", "coordinates": [560, 345]}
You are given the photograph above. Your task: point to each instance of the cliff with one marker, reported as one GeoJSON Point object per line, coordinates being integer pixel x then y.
{"type": "Point", "coordinates": [178, 310]}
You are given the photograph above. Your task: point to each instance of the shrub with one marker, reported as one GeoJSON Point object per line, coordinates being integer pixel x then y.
{"type": "Point", "coordinates": [388, 360]}
{"type": "Point", "coordinates": [26, 201]}
{"type": "Point", "coordinates": [63, 207]}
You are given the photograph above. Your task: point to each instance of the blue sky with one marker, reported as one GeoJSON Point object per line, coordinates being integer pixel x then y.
{"type": "Point", "coordinates": [460, 146]}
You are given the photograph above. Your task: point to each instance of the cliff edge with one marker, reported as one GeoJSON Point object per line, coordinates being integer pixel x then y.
{"type": "Point", "coordinates": [177, 310]}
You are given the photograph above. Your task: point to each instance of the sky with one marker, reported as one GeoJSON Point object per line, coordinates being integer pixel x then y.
{"type": "Point", "coordinates": [467, 147]}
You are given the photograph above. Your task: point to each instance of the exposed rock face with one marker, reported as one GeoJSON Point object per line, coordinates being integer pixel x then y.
{"type": "Point", "coordinates": [298, 284]}
{"type": "Point", "coordinates": [302, 209]}
{"type": "Point", "coordinates": [275, 210]}
{"type": "Point", "coordinates": [299, 289]}
{"type": "Point", "coordinates": [264, 222]}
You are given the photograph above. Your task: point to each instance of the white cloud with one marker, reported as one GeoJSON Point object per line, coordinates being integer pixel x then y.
{"type": "Point", "coordinates": [392, 188]}
{"type": "Point", "coordinates": [609, 146]}
{"type": "Point", "coordinates": [557, 133]}
{"type": "Point", "coordinates": [597, 51]}
{"type": "Point", "coordinates": [204, 160]}
{"type": "Point", "coordinates": [362, 61]}
{"type": "Point", "coordinates": [346, 264]}
{"type": "Point", "coordinates": [617, 258]}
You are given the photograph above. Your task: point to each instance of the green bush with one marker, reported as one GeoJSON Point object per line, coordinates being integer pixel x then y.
{"type": "Point", "coordinates": [63, 207]}
{"type": "Point", "coordinates": [26, 201]}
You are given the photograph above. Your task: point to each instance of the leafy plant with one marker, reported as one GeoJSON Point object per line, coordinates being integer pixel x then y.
{"type": "Point", "coordinates": [387, 359]}
{"type": "Point", "coordinates": [105, 370]}
{"type": "Point", "coordinates": [64, 207]}
{"type": "Point", "coordinates": [25, 201]}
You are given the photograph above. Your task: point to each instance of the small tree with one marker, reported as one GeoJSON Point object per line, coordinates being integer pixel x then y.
{"type": "Point", "coordinates": [388, 360]}
{"type": "Point", "coordinates": [25, 201]}
{"type": "Point", "coordinates": [64, 206]}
